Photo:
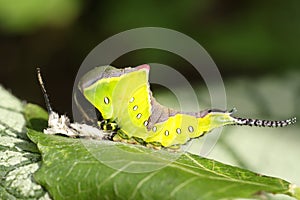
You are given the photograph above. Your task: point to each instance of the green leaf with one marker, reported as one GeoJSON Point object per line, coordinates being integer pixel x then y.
{"type": "Point", "coordinates": [36, 117]}
{"type": "Point", "coordinates": [81, 169]}
{"type": "Point", "coordinates": [19, 157]}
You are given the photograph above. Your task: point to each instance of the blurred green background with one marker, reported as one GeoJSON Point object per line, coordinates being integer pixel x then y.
{"type": "Point", "coordinates": [255, 45]}
{"type": "Point", "coordinates": [249, 38]}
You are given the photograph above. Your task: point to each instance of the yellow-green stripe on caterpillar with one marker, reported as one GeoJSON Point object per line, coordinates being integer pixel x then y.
{"type": "Point", "coordinates": [123, 96]}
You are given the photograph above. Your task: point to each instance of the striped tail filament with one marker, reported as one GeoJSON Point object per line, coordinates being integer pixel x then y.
{"type": "Point", "coordinates": [264, 123]}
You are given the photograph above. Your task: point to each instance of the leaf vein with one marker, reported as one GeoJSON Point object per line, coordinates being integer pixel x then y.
{"type": "Point", "coordinates": [139, 185]}
{"type": "Point", "coordinates": [218, 178]}
{"type": "Point", "coordinates": [113, 175]}
{"type": "Point", "coordinates": [209, 170]}
{"type": "Point", "coordinates": [177, 188]}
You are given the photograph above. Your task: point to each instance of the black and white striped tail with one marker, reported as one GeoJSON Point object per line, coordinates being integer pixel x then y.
{"type": "Point", "coordinates": [264, 123]}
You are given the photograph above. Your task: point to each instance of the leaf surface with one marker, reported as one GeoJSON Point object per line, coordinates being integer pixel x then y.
{"type": "Point", "coordinates": [74, 168]}
{"type": "Point", "coordinates": [19, 157]}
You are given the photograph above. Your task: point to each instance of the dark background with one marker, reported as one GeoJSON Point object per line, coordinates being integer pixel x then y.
{"type": "Point", "coordinates": [245, 38]}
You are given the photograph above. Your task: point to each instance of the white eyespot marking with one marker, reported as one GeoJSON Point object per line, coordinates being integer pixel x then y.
{"type": "Point", "coordinates": [106, 100]}
{"type": "Point", "coordinates": [191, 129]}
{"type": "Point", "coordinates": [154, 129]}
{"type": "Point", "coordinates": [166, 132]}
{"type": "Point", "coordinates": [139, 115]}
{"type": "Point", "coordinates": [135, 107]}
{"type": "Point", "coordinates": [178, 130]}
{"type": "Point", "coordinates": [146, 123]}
{"type": "Point", "coordinates": [131, 100]}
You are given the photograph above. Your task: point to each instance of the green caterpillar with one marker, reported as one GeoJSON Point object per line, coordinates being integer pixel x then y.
{"type": "Point", "coordinates": [123, 96]}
